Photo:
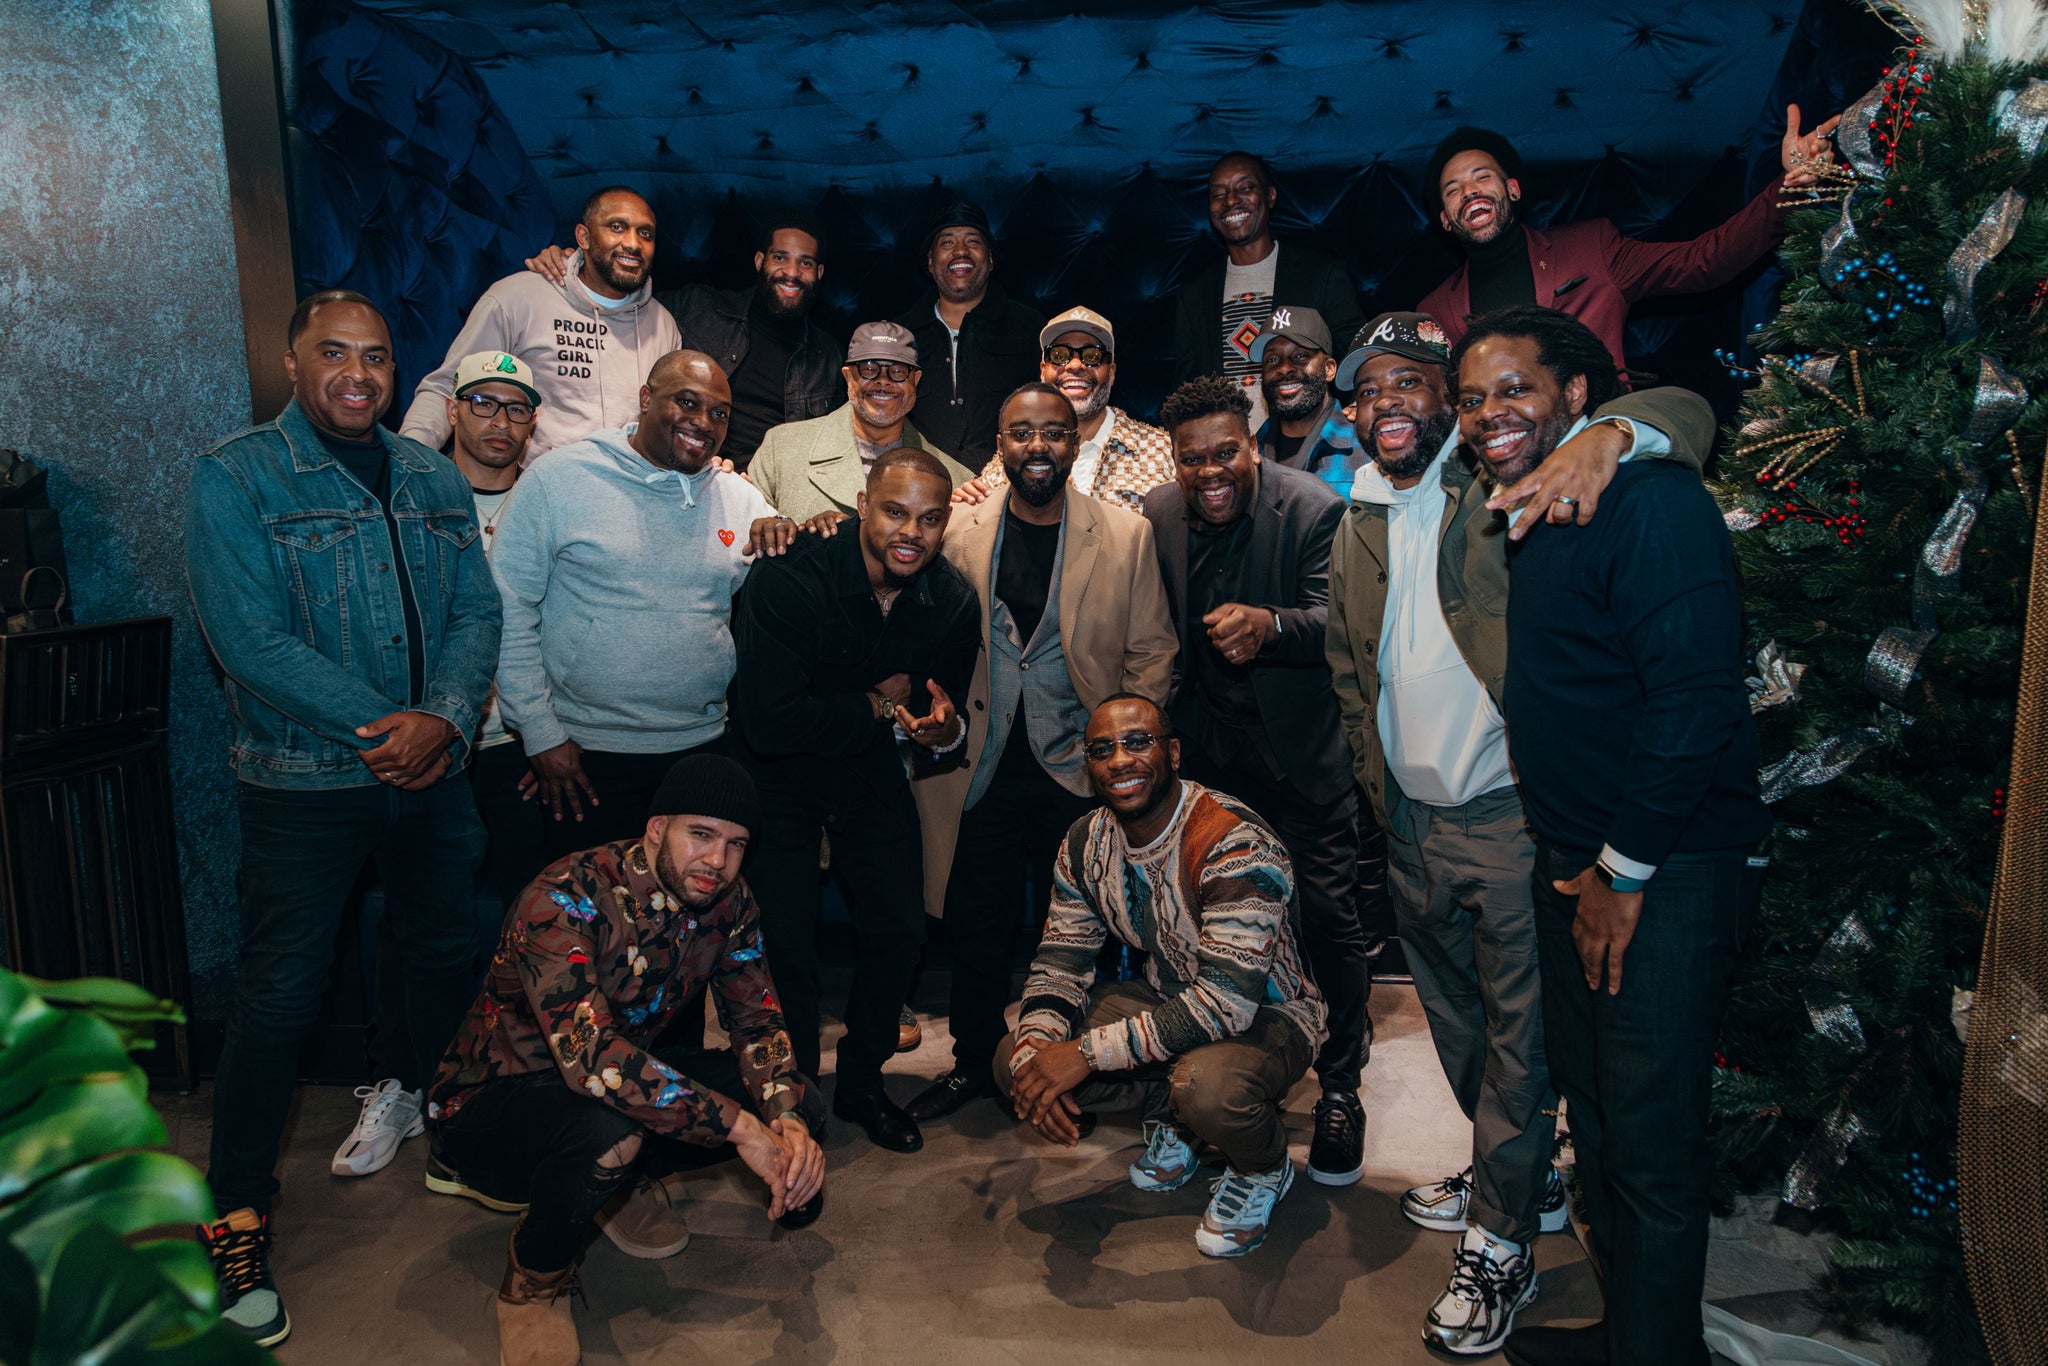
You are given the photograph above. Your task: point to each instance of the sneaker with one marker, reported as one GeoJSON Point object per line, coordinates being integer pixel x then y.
{"type": "Point", "coordinates": [908, 1034]}
{"type": "Point", "coordinates": [1441, 1204]}
{"type": "Point", "coordinates": [1490, 1280]}
{"type": "Point", "coordinates": [1169, 1160]}
{"type": "Point", "coordinates": [391, 1115]}
{"type": "Point", "coordinates": [1336, 1156]}
{"type": "Point", "coordinates": [443, 1179]}
{"type": "Point", "coordinates": [1240, 1209]}
{"type": "Point", "coordinates": [240, 1248]}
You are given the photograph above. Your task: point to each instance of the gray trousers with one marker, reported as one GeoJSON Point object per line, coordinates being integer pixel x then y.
{"type": "Point", "coordinates": [1459, 880]}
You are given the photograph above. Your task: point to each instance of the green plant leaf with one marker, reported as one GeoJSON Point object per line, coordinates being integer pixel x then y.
{"type": "Point", "coordinates": [64, 1046]}
{"type": "Point", "coordinates": [127, 1194]}
{"type": "Point", "coordinates": [184, 1263]}
{"type": "Point", "coordinates": [19, 1305]}
{"type": "Point", "coordinates": [72, 1123]}
{"type": "Point", "coordinates": [132, 1012]}
{"type": "Point", "coordinates": [106, 1304]}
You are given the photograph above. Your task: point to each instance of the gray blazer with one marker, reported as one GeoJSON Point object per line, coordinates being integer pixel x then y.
{"type": "Point", "coordinates": [1294, 518]}
{"type": "Point", "coordinates": [805, 468]}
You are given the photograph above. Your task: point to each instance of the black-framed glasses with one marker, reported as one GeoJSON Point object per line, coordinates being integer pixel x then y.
{"type": "Point", "coordinates": [486, 408]}
{"type": "Point", "coordinates": [896, 370]}
{"type": "Point", "coordinates": [1090, 356]}
{"type": "Point", "coordinates": [1021, 435]}
{"type": "Point", "coordinates": [1131, 742]}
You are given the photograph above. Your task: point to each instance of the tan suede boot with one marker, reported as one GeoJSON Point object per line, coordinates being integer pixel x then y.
{"type": "Point", "coordinates": [535, 1327]}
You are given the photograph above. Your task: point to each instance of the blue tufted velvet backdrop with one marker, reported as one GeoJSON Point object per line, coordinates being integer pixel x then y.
{"type": "Point", "coordinates": [1086, 133]}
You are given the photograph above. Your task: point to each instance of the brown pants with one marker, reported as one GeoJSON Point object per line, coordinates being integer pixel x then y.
{"type": "Point", "coordinates": [1227, 1094]}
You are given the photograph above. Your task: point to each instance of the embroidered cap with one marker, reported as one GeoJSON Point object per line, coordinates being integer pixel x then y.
{"type": "Point", "coordinates": [1302, 326]}
{"type": "Point", "coordinates": [881, 341]}
{"type": "Point", "coordinates": [494, 367]}
{"type": "Point", "coordinates": [1414, 335]}
{"type": "Point", "coordinates": [1078, 320]}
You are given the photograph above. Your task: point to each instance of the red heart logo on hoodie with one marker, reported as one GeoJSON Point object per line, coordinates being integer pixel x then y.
{"type": "Point", "coordinates": [725, 536]}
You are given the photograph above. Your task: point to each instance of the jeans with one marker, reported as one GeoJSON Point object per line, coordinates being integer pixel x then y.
{"type": "Point", "coordinates": [301, 851]}
{"type": "Point", "coordinates": [1227, 1094]}
{"type": "Point", "coordinates": [534, 1140]}
{"type": "Point", "coordinates": [1635, 1070]}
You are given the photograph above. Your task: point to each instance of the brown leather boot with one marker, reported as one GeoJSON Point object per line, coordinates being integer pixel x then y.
{"type": "Point", "coordinates": [535, 1327]}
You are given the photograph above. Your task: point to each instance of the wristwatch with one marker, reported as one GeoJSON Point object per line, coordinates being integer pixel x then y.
{"type": "Point", "coordinates": [1617, 881]}
{"type": "Point", "coordinates": [885, 710]}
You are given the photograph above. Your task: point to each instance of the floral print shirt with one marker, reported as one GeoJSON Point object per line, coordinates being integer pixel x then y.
{"type": "Point", "coordinates": [595, 959]}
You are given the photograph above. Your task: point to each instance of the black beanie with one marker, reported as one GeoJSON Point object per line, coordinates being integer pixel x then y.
{"type": "Point", "coordinates": [1469, 139]}
{"type": "Point", "coordinates": [961, 213]}
{"type": "Point", "coordinates": [709, 785]}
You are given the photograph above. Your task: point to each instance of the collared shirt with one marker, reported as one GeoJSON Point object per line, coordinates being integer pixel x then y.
{"type": "Point", "coordinates": [1232, 730]}
{"type": "Point", "coordinates": [1089, 459]}
{"type": "Point", "coordinates": [1027, 672]}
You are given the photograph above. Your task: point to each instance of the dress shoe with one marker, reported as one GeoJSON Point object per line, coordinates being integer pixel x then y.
{"type": "Point", "coordinates": [883, 1119]}
{"type": "Point", "coordinates": [804, 1215]}
{"type": "Point", "coordinates": [908, 1033]}
{"type": "Point", "coordinates": [1545, 1346]}
{"type": "Point", "coordinates": [948, 1094]}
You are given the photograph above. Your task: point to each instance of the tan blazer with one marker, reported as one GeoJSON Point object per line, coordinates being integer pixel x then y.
{"type": "Point", "coordinates": [805, 468]}
{"type": "Point", "coordinates": [1114, 632]}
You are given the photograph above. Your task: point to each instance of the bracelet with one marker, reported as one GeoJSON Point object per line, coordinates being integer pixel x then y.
{"type": "Point", "coordinates": [1086, 1043]}
{"type": "Point", "coordinates": [1618, 881]}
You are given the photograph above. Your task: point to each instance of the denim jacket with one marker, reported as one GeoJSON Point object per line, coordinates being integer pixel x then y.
{"type": "Point", "coordinates": [286, 557]}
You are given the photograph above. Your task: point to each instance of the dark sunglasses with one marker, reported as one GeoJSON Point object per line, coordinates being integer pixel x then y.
{"type": "Point", "coordinates": [1091, 356]}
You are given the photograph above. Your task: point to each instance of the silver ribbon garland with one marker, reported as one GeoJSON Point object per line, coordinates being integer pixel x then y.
{"type": "Point", "coordinates": [1836, 241]}
{"type": "Point", "coordinates": [1824, 1155]}
{"type": "Point", "coordinates": [2000, 397]}
{"type": "Point", "coordinates": [1983, 242]}
{"type": "Point", "coordinates": [1889, 668]}
{"type": "Point", "coordinates": [1822, 763]}
{"type": "Point", "coordinates": [2024, 118]}
{"type": "Point", "coordinates": [1853, 135]}
{"type": "Point", "coordinates": [1834, 1019]}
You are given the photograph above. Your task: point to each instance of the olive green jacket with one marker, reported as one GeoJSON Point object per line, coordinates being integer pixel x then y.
{"type": "Point", "coordinates": [1472, 579]}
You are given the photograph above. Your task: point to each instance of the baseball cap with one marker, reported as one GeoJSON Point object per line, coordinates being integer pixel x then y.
{"type": "Point", "coordinates": [881, 341]}
{"type": "Point", "coordinates": [1469, 139]}
{"type": "Point", "coordinates": [1302, 326]}
{"type": "Point", "coordinates": [494, 367]}
{"type": "Point", "coordinates": [1079, 320]}
{"type": "Point", "coordinates": [1414, 335]}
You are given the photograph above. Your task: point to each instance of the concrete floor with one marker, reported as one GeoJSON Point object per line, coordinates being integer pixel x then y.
{"type": "Point", "coordinates": [989, 1246]}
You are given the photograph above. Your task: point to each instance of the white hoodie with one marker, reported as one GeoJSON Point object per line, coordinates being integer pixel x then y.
{"type": "Point", "coordinates": [588, 361]}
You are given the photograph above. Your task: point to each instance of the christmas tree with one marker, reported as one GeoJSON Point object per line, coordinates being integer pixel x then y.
{"type": "Point", "coordinates": [1881, 485]}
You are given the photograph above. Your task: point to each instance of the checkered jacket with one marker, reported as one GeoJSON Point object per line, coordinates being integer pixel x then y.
{"type": "Point", "coordinates": [1138, 459]}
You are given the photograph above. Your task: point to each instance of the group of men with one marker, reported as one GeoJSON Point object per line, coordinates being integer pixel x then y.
{"type": "Point", "coordinates": [974, 634]}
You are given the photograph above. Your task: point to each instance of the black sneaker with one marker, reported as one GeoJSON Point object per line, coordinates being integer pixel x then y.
{"type": "Point", "coordinates": [1336, 1157]}
{"type": "Point", "coordinates": [240, 1247]}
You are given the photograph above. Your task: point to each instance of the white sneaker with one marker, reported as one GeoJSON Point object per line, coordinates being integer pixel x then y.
{"type": "Point", "coordinates": [1240, 1209]}
{"type": "Point", "coordinates": [1440, 1205]}
{"type": "Point", "coordinates": [1169, 1160]}
{"type": "Point", "coordinates": [391, 1114]}
{"type": "Point", "coordinates": [1490, 1279]}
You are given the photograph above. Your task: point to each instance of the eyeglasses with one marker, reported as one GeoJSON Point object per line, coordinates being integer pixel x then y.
{"type": "Point", "coordinates": [1090, 356]}
{"type": "Point", "coordinates": [896, 370]}
{"type": "Point", "coordinates": [486, 408]}
{"type": "Point", "coordinates": [1021, 435]}
{"type": "Point", "coordinates": [1132, 742]}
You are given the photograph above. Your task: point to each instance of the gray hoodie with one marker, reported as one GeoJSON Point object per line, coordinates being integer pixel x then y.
{"type": "Point", "coordinates": [588, 361]}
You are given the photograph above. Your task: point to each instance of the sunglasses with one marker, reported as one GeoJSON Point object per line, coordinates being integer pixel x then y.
{"type": "Point", "coordinates": [1132, 742]}
{"type": "Point", "coordinates": [1090, 356]}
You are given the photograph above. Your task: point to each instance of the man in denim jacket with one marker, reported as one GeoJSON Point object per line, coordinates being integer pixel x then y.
{"type": "Point", "coordinates": [341, 585]}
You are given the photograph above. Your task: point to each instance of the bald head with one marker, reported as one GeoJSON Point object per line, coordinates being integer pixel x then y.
{"type": "Point", "coordinates": [685, 407]}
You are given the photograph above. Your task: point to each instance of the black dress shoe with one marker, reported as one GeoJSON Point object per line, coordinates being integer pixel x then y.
{"type": "Point", "coordinates": [948, 1094]}
{"type": "Point", "coordinates": [886, 1124]}
{"type": "Point", "coordinates": [804, 1215]}
{"type": "Point", "coordinates": [1545, 1346]}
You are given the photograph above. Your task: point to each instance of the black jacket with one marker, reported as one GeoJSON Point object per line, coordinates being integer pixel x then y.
{"type": "Point", "coordinates": [1304, 278]}
{"type": "Point", "coordinates": [714, 321]}
{"type": "Point", "coordinates": [998, 352]}
{"type": "Point", "coordinates": [1294, 518]}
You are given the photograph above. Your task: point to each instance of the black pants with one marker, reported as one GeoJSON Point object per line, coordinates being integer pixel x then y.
{"type": "Point", "coordinates": [1634, 1070]}
{"type": "Point", "coordinates": [1012, 834]}
{"type": "Point", "coordinates": [1322, 842]}
{"type": "Point", "coordinates": [301, 852]}
{"type": "Point", "coordinates": [876, 850]}
{"type": "Point", "coordinates": [625, 786]}
{"type": "Point", "coordinates": [532, 1140]}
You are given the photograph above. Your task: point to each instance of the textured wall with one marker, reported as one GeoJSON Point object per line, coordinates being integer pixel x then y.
{"type": "Point", "coordinates": [121, 346]}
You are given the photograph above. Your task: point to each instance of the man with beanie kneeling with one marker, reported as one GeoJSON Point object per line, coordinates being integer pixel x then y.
{"type": "Point", "coordinates": [549, 1102]}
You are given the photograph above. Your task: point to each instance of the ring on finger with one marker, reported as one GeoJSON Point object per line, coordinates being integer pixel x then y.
{"type": "Point", "coordinates": [1567, 500]}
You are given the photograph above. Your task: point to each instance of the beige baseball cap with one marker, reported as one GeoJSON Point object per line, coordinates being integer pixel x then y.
{"type": "Point", "coordinates": [494, 367]}
{"type": "Point", "coordinates": [1079, 320]}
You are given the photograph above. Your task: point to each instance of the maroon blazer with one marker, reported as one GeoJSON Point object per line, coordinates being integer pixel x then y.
{"type": "Point", "coordinates": [1607, 272]}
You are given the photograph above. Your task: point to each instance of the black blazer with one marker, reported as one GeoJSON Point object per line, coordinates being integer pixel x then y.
{"type": "Point", "coordinates": [1304, 278]}
{"type": "Point", "coordinates": [1294, 518]}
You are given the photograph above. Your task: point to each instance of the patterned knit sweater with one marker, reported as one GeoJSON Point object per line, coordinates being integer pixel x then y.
{"type": "Point", "coordinates": [1207, 901]}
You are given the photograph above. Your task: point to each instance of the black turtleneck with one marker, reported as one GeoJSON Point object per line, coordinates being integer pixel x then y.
{"type": "Point", "coordinates": [760, 383]}
{"type": "Point", "coordinates": [1499, 272]}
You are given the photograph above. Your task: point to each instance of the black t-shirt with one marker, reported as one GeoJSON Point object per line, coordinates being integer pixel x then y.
{"type": "Point", "coordinates": [1286, 447]}
{"type": "Point", "coordinates": [760, 385]}
{"type": "Point", "coordinates": [1500, 275]}
{"type": "Point", "coordinates": [371, 466]}
{"type": "Point", "coordinates": [1024, 573]}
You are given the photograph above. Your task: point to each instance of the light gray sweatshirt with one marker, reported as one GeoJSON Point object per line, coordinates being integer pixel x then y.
{"type": "Point", "coordinates": [617, 579]}
{"type": "Point", "coordinates": [588, 361]}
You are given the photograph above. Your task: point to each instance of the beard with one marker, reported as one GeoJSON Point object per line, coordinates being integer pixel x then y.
{"type": "Point", "coordinates": [1313, 391]}
{"type": "Point", "coordinates": [611, 275]}
{"type": "Point", "coordinates": [1503, 219]}
{"type": "Point", "coordinates": [1542, 441]}
{"type": "Point", "coordinates": [1430, 435]}
{"type": "Point", "coordinates": [764, 289]}
{"type": "Point", "coordinates": [1097, 400]}
{"type": "Point", "coordinates": [677, 880]}
{"type": "Point", "coordinates": [1037, 491]}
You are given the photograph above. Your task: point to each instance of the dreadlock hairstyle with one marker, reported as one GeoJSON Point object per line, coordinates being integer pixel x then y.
{"type": "Point", "coordinates": [1564, 345]}
{"type": "Point", "coordinates": [1204, 396]}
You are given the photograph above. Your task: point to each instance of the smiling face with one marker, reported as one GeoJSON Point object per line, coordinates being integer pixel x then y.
{"type": "Point", "coordinates": [698, 857]}
{"type": "Point", "coordinates": [959, 263]}
{"type": "Point", "coordinates": [1295, 378]}
{"type": "Point", "coordinates": [882, 403]}
{"type": "Point", "coordinates": [1240, 201]}
{"type": "Point", "coordinates": [1217, 464]}
{"type": "Point", "coordinates": [684, 409]}
{"type": "Point", "coordinates": [903, 514]}
{"type": "Point", "coordinates": [1511, 410]}
{"type": "Point", "coordinates": [1403, 409]}
{"type": "Point", "coordinates": [1086, 386]}
{"type": "Point", "coordinates": [1133, 768]}
{"type": "Point", "coordinates": [1037, 468]}
{"type": "Point", "coordinates": [789, 271]}
{"type": "Point", "coordinates": [1479, 199]}
{"type": "Point", "coordinates": [341, 369]}
{"type": "Point", "coordinates": [617, 240]}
